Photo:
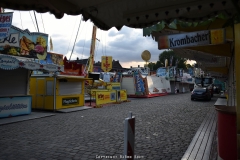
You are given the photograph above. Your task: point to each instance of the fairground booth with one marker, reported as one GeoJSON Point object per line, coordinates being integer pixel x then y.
{"type": "Point", "coordinates": [58, 90]}
{"type": "Point", "coordinates": [19, 55]}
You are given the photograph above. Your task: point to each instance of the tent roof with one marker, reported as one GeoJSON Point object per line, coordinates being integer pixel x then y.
{"type": "Point", "coordinates": [106, 14]}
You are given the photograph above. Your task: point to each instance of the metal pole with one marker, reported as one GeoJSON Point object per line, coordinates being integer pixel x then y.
{"type": "Point", "coordinates": [54, 91]}
{"type": "Point", "coordinates": [36, 20]}
{"type": "Point", "coordinates": [129, 138]}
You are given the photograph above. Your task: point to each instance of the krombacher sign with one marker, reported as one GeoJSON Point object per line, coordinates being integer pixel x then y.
{"type": "Point", "coordinates": [189, 39]}
{"type": "Point", "coordinates": [70, 101]}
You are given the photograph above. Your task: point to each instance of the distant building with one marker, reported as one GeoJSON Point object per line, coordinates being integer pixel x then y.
{"type": "Point", "coordinates": [116, 66]}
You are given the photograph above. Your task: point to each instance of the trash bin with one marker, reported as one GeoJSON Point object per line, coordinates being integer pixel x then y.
{"type": "Point", "coordinates": [227, 131]}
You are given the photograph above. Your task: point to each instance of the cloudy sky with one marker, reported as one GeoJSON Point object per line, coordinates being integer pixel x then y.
{"type": "Point", "coordinates": [125, 45]}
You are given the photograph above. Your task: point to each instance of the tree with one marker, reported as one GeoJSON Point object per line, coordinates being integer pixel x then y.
{"type": "Point", "coordinates": [168, 54]}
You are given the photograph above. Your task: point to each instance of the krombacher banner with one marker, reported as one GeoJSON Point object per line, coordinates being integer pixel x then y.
{"type": "Point", "coordinates": [70, 101]}
{"type": "Point", "coordinates": [200, 38]}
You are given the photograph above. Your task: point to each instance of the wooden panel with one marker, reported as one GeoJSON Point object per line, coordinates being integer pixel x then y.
{"type": "Point", "coordinates": [195, 139]}
{"type": "Point", "coordinates": [210, 141]}
{"type": "Point", "coordinates": [200, 147]}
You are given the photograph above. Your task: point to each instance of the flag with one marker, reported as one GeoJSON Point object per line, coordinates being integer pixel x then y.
{"type": "Point", "coordinates": [171, 59]}
{"type": "Point", "coordinates": [51, 45]}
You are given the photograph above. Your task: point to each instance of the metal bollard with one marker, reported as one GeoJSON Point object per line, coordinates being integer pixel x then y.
{"type": "Point", "coordinates": [129, 137]}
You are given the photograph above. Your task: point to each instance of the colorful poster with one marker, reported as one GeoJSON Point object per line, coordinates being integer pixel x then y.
{"type": "Point", "coordinates": [161, 72]}
{"type": "Point", "coordinates": [5, 24]}
{"type": "Point", "coordinates": [24, 43]}
{"type": "Point", "coordinates": [117, 77]}
{"type": "Point", "coordinates": [14, 106]}
{"type": "Point", "coordinates": [189, 39]}
{"type": "Point", "coordinates": [53, 58]}
{"type": "Point", "coordinates": [139, 84]}
{"type": "Point", "coordinates": [106, 64]}
{"type": "Point", "coordinates": [72, 68]}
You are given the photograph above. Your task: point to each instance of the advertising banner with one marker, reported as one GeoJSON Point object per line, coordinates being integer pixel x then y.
{"type": "Point", "coordinates": [11, 62]}
{"type": "Point", "coordinates": [161, 72]}
{"type": "Point", "coordinates": [24, 43]}
{"type": "Point", "coordinates": [8, 62]}
{"type": "Point", "coordinates": [72, 68]}
{"type": "Point", "coordinates": [106, 64]}
{"type": "Point", "coordinates": [5, 24]}
{"type": "Point", "coordinates": [104, 97]}
{"type": "Point", "coordinates": [70, 101]}
{"type": "Point", "coordinates": [14, 106]}
{"type": "Point", "coordinates": [53, 58]}
{"type": "Point", "coordinates": [113, 85]}
{"type": "Point", "coordinates": [188, 39]}
{"type": "Point", "coordinates": [139, 84]}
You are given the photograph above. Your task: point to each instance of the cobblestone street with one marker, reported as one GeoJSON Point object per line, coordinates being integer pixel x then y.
{"type": "Point", "coordinates": [164, 125]}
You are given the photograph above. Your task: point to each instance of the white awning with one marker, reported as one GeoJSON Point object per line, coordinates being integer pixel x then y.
{"type": "Point", "coordinates": [8, 62]}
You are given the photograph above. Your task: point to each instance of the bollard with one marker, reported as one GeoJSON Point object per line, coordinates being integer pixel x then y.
{"type": "Point", "coordinates": [129, 137]}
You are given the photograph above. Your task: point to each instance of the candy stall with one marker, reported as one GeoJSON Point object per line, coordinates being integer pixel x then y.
{"type": "Point", "coordinates": [20, 53]}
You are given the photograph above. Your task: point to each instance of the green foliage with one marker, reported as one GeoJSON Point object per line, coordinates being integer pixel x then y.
{"type": "Point", "coordinates": [185, 24]}
{"type": "Point", "coordinates": [167, 55]}
{"type": "Point", "coordinates": [170, 53]}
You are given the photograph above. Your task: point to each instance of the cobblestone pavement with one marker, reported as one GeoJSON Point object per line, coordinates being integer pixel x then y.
{"type": "Point", "coordinates": [165, 127]}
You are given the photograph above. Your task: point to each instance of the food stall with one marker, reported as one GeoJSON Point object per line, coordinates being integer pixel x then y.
{"type": "Point", "coordinates": [61, 90]}
{"type": "Point", "coordinates": [19, 55]}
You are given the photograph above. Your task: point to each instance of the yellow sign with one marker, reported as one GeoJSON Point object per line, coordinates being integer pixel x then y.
{"type": "Point", "coordinates": [106, 64]}
{"type": "Point", "coordinates": [104, 97]}
{"type": "Point", "coordinates": [217, 36]}
{"type": "Point", "coordinates": [113, 85]}
{"type": "Point", "coordinates": [123, 95]}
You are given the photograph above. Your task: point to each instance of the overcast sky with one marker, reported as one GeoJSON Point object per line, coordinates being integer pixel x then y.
{"type": "Point", "coordinates": [125, 45]}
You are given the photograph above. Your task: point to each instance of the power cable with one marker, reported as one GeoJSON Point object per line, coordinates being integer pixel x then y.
{"type": "Point", "coordinates": [36, 20]}
{"type": "Point", "coordinates": [33, 21]}
{"type": "Point", "coordinates": [75, 39]}
{"type": "Point", "coordinates": [43, 24]}
{"type": "Point", "coordinates": [84, 43]}
{"type": "Point", "coordinates": [21, 19]}
{"type": "Point", "coordinates": [72, 33]}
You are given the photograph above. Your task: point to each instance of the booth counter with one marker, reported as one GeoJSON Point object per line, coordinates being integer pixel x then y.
{"type": "Point", "coordinates": [227, 128]}
{"type": "Point", "coordinates": [22, 53]}
{"type": "Point", "coordinates": [57, 92]}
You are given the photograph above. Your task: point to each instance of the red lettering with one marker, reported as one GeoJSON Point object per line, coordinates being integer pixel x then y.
{"type": "Point", "coordinates": [3, 29]}
{"type": "Point", "coordinates": [4, 19]}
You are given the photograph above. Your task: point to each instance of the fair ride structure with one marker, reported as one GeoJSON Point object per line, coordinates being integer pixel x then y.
{"type": "Point", "coordinates": [140, 84]}
{"type": "Point", "coordinates": [105, 86]}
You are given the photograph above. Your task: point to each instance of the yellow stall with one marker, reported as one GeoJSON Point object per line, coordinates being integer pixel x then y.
{"type": "Point", "coordinates": [57, 92]}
